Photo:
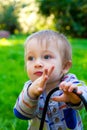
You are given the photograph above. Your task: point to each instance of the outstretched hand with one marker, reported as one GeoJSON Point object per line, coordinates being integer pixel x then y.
{"type": "Point", "coordinates": [68, 95]}
{"type": "Point", "coordinates": [38, 86]}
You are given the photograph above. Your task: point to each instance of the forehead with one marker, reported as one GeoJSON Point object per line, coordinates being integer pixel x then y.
{"type": "Point", "coordinates": [43, 42]}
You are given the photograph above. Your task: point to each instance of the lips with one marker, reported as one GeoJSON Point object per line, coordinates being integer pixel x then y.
{"type": "Point", "coordinates": [38, 73]}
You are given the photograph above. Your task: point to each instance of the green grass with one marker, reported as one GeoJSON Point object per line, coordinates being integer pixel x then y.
{"type": "Point", "coordinates": [13, 76]}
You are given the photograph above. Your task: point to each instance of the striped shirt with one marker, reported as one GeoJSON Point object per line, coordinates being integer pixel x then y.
{"type": "Point", "coordinates": [59, 116]}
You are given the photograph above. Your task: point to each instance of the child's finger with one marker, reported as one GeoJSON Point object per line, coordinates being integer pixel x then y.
{"type": "Point", "coordinates": [65, 86]}
{"type": "Point", "coordinates": [45, 76]}
{"type": "Point", "coordinates": [47, 73]}
{"type": "Point", "coordinates": [50, 70]}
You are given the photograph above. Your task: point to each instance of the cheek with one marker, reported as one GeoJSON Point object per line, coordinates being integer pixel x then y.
{"type": "Point", "coordinates": [57, 70]}
{"type": "Point", "coordinates": [29, 70]}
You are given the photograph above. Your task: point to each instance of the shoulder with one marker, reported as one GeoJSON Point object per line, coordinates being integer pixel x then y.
{"type": "Point", "coordinates": [69, 77]}
{"type": "Point", "coordinates": [72, 78]}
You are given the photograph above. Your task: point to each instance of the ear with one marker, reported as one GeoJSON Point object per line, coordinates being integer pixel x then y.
{"type": "Point", "coordinates": [67, 66]}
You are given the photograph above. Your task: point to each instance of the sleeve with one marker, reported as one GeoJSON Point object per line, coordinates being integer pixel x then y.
{"type": "Point", "coordinates": [25, 107]}
{"type": "Point", "coordinates": [81, 86]}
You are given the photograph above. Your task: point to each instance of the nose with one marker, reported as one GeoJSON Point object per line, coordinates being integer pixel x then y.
{"type": "Point", "coordinates": [38, 63]}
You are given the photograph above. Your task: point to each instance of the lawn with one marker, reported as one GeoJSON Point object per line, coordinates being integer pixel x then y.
{"type": "Point", "coordinates": [13, 75]}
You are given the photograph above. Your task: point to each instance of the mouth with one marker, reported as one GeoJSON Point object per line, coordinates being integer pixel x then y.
{"type": "Point", "coordinates": [38, 73]}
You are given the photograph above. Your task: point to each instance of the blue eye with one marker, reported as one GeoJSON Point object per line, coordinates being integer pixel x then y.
{"type": "Point", "coordinates": [47, 57]}
{"type": "Point", "coordinates": [31, 58]}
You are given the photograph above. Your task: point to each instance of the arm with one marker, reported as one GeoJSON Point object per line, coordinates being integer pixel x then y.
{"type": "Point", "coordinates": [81, 87]}
{"type": "Point", "coordinates": [69, 83]}
{"type": "Point", "coordinates": [25, 107]}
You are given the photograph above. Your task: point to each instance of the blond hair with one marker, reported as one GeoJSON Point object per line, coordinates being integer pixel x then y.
{"type": "Point", "coordinates": [45, 36]}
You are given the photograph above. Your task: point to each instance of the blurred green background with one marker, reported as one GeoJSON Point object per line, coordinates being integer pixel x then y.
{"type": "Point", "coordinates": [20, 18]}
{"type": "Point", "coordinates": [26, 16]}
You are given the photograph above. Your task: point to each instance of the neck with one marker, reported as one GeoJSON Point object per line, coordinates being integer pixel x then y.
{"type": "Point", "coordinates": [51, 85]}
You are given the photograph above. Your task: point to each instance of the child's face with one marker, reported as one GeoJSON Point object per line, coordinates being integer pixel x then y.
{"type": "Point", "coordinates": [39, 57]}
